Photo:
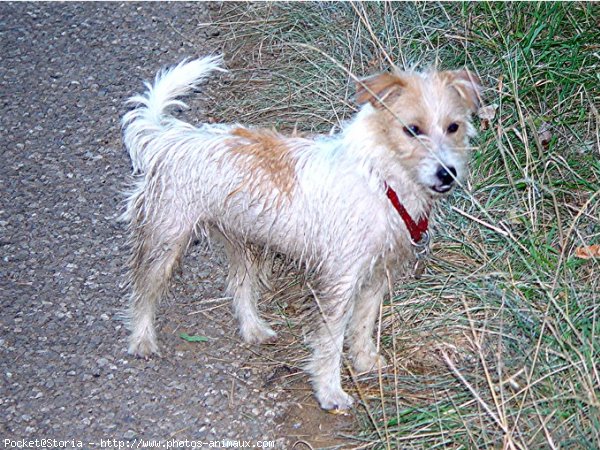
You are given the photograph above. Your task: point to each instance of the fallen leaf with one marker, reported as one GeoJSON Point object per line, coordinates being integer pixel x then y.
{"type": "Point", "coordinates": [189, 338]}
{"type": "Point", "coordinates": [486, 114]}
{"type": "Point", "coordinates": [544, 134]}
{"type": "Point", "coordinates": [588, 252]}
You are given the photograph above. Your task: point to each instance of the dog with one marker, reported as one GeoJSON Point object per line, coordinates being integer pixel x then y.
{"type": "Point", "coordinates": [351, 209]}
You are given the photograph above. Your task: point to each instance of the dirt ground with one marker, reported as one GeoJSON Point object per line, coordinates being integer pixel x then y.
{"type": "Point", "coordinates": [66, 70]}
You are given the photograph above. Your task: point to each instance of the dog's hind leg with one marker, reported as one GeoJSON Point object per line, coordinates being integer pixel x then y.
{"type": "Point", "coordinates": [157, 249]}
{"type": "Point", "coordinates": [244, 284]}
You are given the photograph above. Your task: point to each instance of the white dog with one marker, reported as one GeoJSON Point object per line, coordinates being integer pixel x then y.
{"type": "Point", "coordinates": [346, 208]}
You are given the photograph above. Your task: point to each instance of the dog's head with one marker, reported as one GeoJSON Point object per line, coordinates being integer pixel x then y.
{"type": "Point", "coordinates": [425, 120]}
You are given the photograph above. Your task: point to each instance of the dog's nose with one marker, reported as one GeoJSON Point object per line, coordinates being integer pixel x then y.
{"type": "Point", "coordinates": [446, 175]}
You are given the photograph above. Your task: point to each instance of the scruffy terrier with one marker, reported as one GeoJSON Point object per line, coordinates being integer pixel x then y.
{"type": "Point", "coordinates": [350, 209]}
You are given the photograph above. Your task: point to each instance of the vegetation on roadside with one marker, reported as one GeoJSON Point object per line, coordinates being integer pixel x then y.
{"type": "Point", "coordinates": [498, 345]}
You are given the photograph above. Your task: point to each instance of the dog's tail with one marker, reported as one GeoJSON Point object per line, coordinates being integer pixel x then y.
{"type": "Point", "coordinates": [140, 124]}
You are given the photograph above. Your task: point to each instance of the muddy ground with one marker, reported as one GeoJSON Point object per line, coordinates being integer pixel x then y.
{"type": "Point", "coordinates": [65, 73]}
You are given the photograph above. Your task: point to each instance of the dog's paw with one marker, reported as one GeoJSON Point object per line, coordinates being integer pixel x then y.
{"type": "Point", "coordinates": [368, 361]}
{"type": "Point", "coordinates": [143, 347]}
{"type": "Point", "coordinates": [258, 334]}
{"type": "Point", "coordinates": [335, 401]}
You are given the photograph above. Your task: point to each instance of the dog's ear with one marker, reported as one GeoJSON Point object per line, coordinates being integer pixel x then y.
{"type": "Point", "coordinates": [379, 88]}
{"type": "Point", "coordinates": [468, 86]}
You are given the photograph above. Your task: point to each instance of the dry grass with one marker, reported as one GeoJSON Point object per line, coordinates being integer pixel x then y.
{"type": "Point", "coordinates": [497, 346]}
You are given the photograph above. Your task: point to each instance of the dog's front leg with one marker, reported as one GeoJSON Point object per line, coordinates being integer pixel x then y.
{"type": "Point", "coordinates": [335, 306]}
{"type": "Point", "coordinates": [363, 350]}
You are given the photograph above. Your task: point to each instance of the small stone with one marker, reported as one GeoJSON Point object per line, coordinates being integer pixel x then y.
{"type": "Point", "coordinates": [102, 362]}
{"type": "Point", "coordinates": [129, 434]}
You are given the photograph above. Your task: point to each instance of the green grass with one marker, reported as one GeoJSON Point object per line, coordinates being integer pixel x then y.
{"type": "Point", "coordinates": [498, 345]}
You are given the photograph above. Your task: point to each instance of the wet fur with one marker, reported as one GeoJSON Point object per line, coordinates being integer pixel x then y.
{"type": "Point", "coordinates": [320, 202]}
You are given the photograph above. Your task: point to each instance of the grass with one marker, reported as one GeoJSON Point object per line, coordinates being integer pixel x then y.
{"type": "Point", "coordinates": [498, 346]}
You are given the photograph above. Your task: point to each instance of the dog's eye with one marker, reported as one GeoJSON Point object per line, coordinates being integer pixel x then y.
{"type": "Point", "coordinates": [453, 128]}
{"type": "Point", "coordinates": [412, 130]}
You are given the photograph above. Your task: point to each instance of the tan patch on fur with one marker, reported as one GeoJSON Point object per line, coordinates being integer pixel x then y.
{"type": "Point", "coordinates": [467, 84]}
{"type": "Point", "coordinates": [405, 107]}
{"type": "Point", "coordinates": [267, 157]}
{"type": "Point", "coordinates": [402, 109]}
{"type": "Point", "coordinates": [379, 88]}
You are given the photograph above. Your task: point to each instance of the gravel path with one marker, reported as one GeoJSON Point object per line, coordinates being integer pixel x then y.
{"type": "Point", "coordinates": [65, 72]}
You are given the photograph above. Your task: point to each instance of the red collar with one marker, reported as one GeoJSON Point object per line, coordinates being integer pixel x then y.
{"type": "Point", "coordinates": [417, 230]}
